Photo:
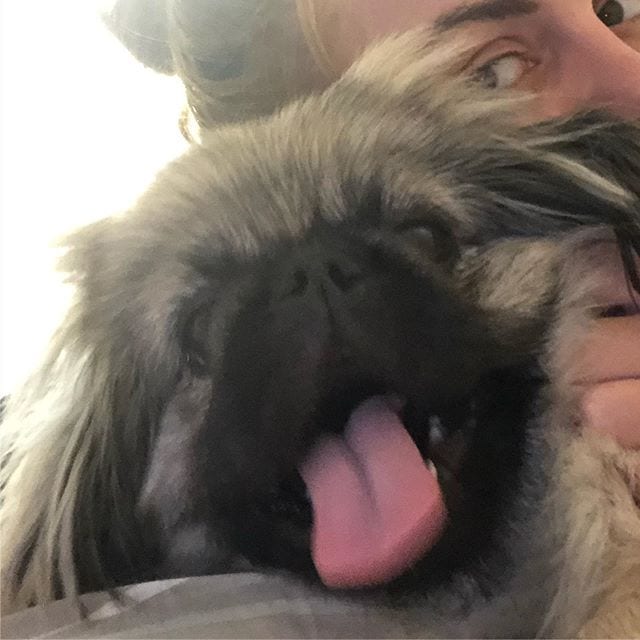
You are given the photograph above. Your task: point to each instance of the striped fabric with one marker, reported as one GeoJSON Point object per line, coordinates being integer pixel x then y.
{"type": "Point", "coordinates": [229, 606]}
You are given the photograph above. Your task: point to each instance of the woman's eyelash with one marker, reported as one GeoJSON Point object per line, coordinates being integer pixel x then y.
{"type": "Point", "coordinates": [507, 69]}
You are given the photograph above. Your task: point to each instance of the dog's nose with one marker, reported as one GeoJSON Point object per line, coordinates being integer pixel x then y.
{"type": "Point", "coordinates": [313, 272]}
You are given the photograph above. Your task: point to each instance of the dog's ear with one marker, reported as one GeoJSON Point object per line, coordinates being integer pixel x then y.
{"type": "Point", "coordinates": [610, 147]}
{"type": "Point", "coordinates": [82, 426]}
{"type": "Point", "coordinates": [602, 142]}
{"type": "Point", "coordinates": [584, 171]}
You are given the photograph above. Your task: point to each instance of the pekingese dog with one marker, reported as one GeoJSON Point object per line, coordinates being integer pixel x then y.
{"type": "Point", "coordinates": [325, 342]}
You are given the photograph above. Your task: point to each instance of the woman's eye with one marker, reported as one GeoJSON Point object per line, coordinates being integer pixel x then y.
{"type": "Point", "coordinates": [615, 12]}
{"type": "Point", "coordinates": [503, 72]}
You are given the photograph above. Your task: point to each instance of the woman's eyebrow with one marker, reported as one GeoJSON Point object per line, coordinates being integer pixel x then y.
{"type": "Point", "coordinates": [487, 10]}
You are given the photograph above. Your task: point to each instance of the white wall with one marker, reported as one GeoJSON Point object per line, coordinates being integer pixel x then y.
{"type": "Point", "coordinates": [84, 128]}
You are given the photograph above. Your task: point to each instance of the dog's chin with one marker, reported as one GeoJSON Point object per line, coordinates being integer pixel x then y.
{"type": "Point", "coordinates": [468, 443]}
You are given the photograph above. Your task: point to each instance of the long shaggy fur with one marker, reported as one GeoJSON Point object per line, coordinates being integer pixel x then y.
{"type": "Point", "coordinates": [398, 133]}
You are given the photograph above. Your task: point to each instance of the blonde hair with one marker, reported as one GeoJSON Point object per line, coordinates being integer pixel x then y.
{"type": "Point", "coordinates": [242, 59]}
{"type": "Point", "coordinates": [310, 20]}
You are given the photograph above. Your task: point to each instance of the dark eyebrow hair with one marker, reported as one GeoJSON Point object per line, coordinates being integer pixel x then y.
{"type": "Point", "coordinates": [487, 10]}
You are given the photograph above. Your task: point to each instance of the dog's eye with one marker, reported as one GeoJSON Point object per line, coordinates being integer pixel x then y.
{"type": "Point", "coordinates": [196, 363]}
{"type": "Point", "coordinates": [195, 336]}
{"type": "Point", "coordinates": [430, 239]}
{"type": "Point", "coordinates": [418, 232]}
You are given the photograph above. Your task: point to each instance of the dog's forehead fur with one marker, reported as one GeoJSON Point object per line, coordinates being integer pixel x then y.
{"type": "Point", "coordinates": [246, 187]}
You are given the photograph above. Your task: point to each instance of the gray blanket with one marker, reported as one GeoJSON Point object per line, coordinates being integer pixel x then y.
{"type": "Point", "coordinates": [229, 606]}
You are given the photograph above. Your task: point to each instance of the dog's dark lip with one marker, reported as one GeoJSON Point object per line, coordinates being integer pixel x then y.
{"type": "Point", "coordinates": [290, 500]}
{"type": "Point", "coordinates": [450, 454]}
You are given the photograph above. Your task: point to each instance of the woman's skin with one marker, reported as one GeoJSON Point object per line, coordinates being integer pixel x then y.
{"type": "Point", "coordinates": [574, 55]}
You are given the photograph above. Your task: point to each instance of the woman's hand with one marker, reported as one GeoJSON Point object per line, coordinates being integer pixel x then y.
{"type": "Point", "coordinates": [610, 370]}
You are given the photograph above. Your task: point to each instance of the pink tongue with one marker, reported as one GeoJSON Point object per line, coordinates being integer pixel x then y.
{"type": "Point", "coordinates": [377, 507]}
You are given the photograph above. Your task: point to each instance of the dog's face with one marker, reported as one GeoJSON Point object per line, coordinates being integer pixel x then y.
{"type": "Point", "coordinates": [287, 344]}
